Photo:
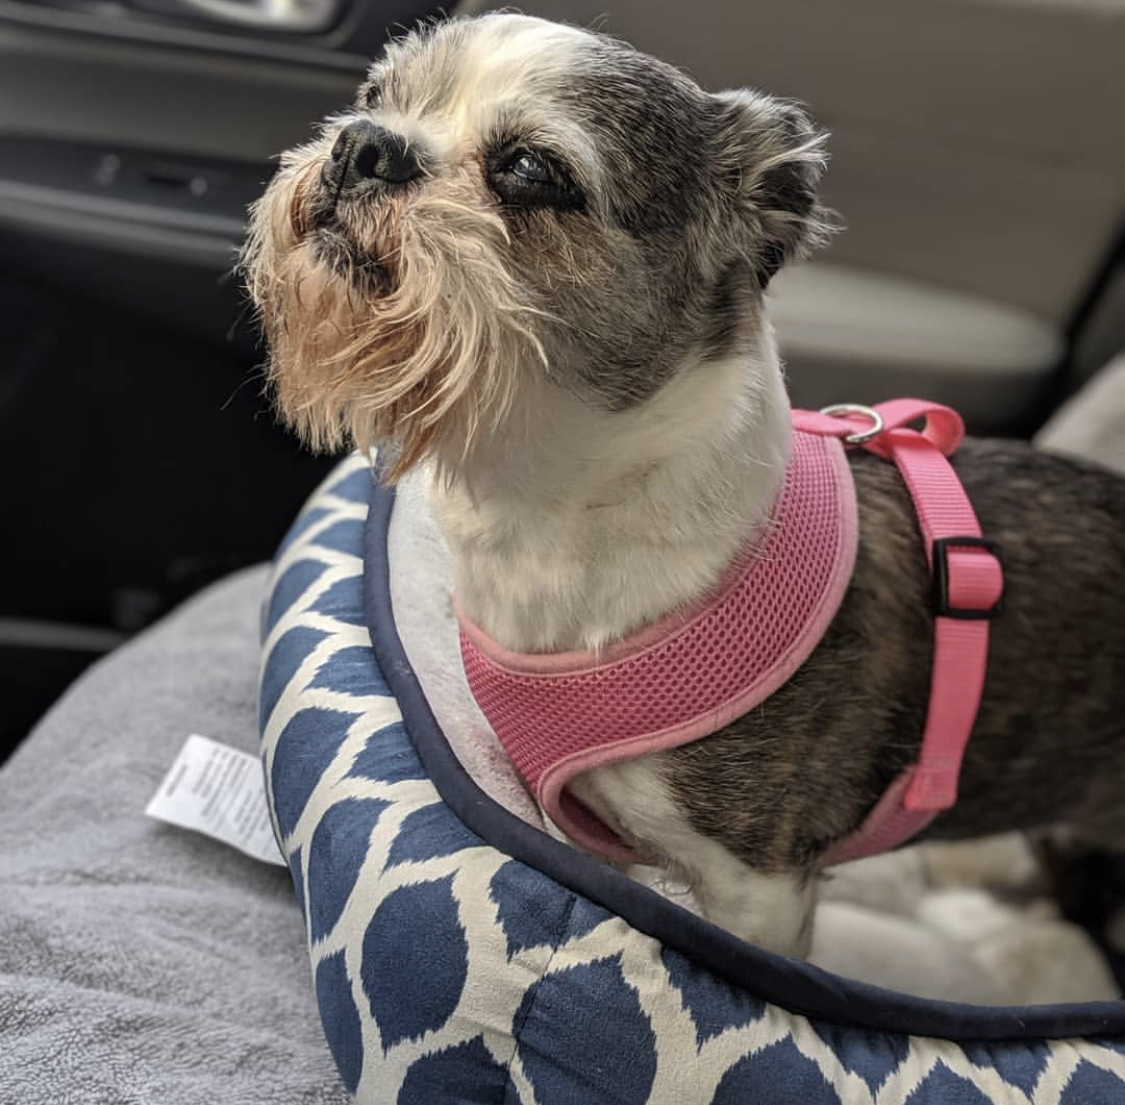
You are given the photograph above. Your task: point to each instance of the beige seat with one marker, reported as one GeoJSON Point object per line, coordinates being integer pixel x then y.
{"type": "Point", "coordinates": [848, 333]}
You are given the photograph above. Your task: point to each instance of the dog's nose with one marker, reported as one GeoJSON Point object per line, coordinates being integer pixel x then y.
{"type": "Point", "coordinates": [365, 151]}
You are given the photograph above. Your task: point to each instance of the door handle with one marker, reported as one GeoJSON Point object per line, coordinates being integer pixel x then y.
{"type": "Point", "coordinates": [267, 15]}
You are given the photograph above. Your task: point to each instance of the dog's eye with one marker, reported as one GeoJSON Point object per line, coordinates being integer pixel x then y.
{"type": "Point", "coordinates": [373, 95]}
{"type": "Point", "coordinates": [532, 168]}
{"type": "Point", "coordinates": [528, 178]}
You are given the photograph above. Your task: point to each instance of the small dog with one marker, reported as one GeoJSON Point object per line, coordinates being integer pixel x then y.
{"type": "Point", "coordinates": [531, 260]}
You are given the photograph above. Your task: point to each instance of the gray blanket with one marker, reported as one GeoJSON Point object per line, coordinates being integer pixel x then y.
{"type": "Point", "coordinates": [138, 962]}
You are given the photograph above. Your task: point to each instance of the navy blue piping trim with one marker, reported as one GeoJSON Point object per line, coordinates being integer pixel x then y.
{"type": "Point", "coordinates": [791, 984]}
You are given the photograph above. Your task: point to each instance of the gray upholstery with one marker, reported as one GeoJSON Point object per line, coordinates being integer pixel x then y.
{"type": "Point", "coordinates": [852, 334]}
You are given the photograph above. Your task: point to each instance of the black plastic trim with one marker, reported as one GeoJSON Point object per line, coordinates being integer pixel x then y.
{"type": "Point", "coordinates": [1113, 260]}
{"type": "Point", "coordinates": [129, 201]}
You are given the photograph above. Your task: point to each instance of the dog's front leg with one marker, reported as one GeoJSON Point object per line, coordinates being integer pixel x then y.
{"type": "Point", "coordinates": [771, 908]}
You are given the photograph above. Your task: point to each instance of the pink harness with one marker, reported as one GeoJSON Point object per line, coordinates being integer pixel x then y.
{"type": "Point", "coordinates": [698, 669]}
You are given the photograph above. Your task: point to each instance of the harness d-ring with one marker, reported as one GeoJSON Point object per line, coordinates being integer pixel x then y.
{"type": "Point", "coordinates": [860, 437]}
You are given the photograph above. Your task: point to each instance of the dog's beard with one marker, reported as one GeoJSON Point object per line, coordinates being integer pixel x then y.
{"type": "Point", "coordinates": [398, 323]}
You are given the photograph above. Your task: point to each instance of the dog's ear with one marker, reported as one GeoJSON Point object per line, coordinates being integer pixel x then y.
{"type": "Point", "coordinates": [772, 155]}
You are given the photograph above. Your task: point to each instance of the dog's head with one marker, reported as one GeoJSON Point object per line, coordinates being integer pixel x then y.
{"type": "Point", "coordinates": [512, 205]}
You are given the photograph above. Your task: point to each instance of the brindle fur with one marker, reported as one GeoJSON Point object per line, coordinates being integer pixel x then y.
{"type": "Point", "coordinates": [780, 784]}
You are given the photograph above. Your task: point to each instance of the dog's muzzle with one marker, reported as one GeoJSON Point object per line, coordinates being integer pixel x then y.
{"type": "Point", "coordinates": [364, 153]}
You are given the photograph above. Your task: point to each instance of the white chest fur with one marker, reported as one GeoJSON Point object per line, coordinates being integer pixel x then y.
{"type": "Point", "coordinates": [580, 526]}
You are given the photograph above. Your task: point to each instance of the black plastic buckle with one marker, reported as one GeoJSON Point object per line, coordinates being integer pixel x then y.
{"type": "Point", "coordinates": [942, 606]}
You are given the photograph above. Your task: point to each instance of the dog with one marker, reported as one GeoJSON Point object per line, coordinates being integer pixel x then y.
{"type": "Point", "coordinates": [531, 262]}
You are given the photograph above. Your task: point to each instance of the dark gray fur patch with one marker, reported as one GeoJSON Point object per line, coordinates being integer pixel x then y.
{"type": "Point", "coordinates": [780, 784]}
{"type": "Point", "coordinates": [649, 233]}
{"type": "Point", "coordinates": [654, 130]}
{"type": "Point", "coordinates": [790, 189]}
{"type": "Point", "coordinates": [698, 252]}
{"type": "Point", "coordinates": [730, 308]}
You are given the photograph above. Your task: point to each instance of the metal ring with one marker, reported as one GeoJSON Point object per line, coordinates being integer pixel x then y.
{"type": "Point", "coordinates": [861, 436]}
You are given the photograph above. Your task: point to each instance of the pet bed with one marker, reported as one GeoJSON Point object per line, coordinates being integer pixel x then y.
{"type": "Point", "coordinates": [461, 954]}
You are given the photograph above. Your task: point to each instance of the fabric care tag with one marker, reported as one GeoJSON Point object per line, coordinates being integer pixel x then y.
{"type": "Point", "coordinates": [218, 791]}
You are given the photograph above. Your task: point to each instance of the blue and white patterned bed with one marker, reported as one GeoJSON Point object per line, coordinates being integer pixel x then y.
{"type": "Point", "coordinates": [460, 955]}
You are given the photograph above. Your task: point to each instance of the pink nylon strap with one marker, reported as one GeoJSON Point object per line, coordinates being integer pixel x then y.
{"type": "Point", "coordinates": [529, 698]}
{"type": "Point", "coordinates": [973, 588]}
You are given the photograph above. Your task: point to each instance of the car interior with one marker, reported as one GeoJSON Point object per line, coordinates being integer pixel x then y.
{"type": "Point", "coordinates": [971, 166]}
{"type": "Point", "coordinates": [977, 169]}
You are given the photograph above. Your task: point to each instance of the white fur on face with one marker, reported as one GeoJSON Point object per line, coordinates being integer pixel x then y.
{"type": "Point", "coordinates": [413, 316]}
{"type": "Point", "coordinates": [501, 73]}
{"type": "Point", "coordinates": [435, 356]}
